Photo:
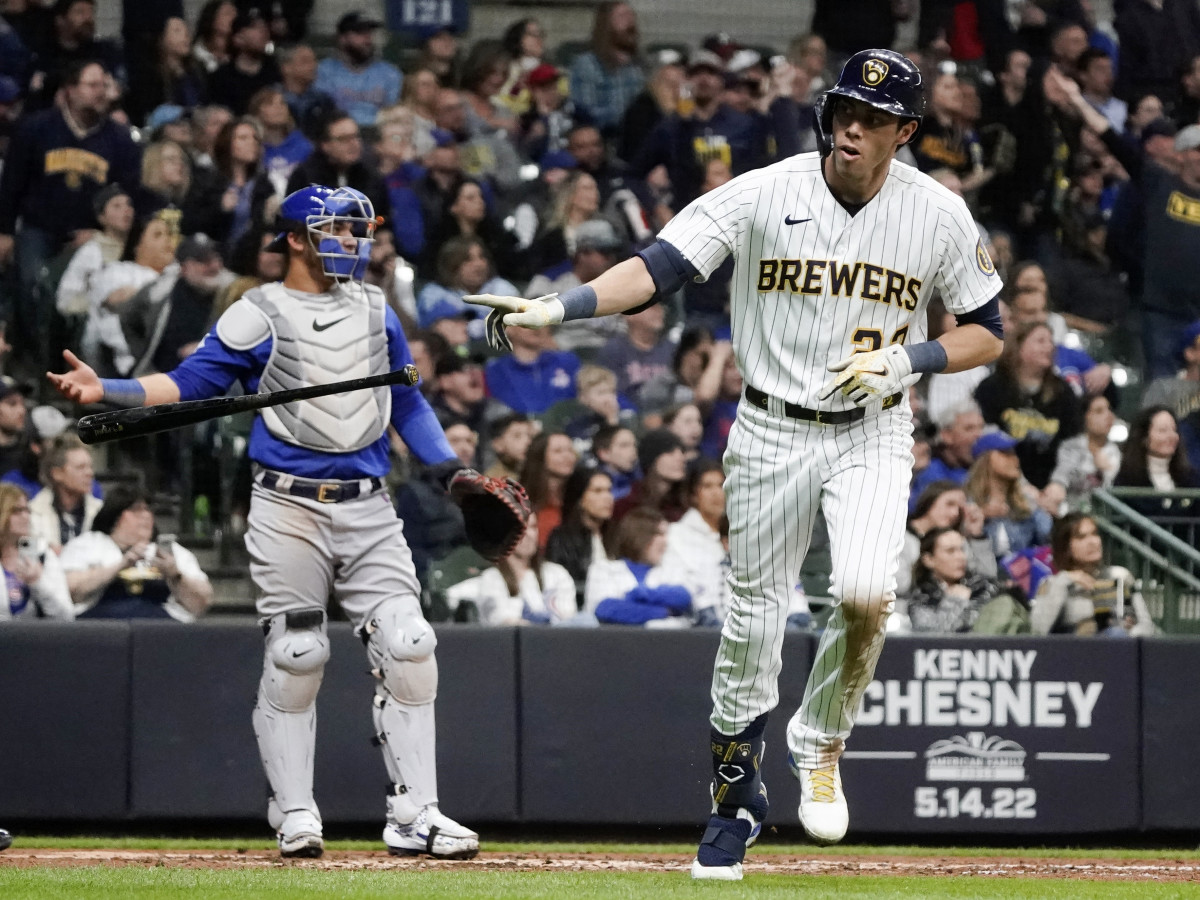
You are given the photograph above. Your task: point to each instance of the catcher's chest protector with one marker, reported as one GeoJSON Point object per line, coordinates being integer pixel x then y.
{"type": "Point", "coordinates": [335, 337]}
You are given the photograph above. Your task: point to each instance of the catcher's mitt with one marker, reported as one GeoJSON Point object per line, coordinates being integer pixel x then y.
{"type": "Point", "coordinates": [496, 511]}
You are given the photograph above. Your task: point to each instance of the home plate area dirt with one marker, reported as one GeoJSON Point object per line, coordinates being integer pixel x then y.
{"type": "Point", "coordinates": [1150, 869]}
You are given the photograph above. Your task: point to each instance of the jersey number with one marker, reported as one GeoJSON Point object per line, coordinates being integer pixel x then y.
{"type": "Point", "coordinates": [865, 340]}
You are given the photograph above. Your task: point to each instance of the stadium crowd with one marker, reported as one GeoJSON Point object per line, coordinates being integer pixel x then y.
{"type": "Point", "coordinates": [139, 188]}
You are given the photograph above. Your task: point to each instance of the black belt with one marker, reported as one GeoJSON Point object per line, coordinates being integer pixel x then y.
{"type": "Point", "coordinates": [820, 416]}
{"type": "Point", "coordinates": [321, 491]}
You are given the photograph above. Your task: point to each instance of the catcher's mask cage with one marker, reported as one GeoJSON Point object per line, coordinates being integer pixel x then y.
{"type": "Point", "coordinates": [329, 216]}
{"type": "Point", "coordinates": [881, 78]}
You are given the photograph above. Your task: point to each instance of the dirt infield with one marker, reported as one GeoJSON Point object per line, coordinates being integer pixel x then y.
{"type": "Point", "coordinates": [1159, 870]}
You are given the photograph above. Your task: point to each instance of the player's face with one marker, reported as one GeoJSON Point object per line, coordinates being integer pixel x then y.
{"type": "Point", "coordinates": [947, 510]}
{"type": "Point", "coordinates": [864, 138]}
{"type": "Point", "coordinates": [560, 456]}
{"type": "Point", "coordinates": [1163, 437]}
{"type": "Point", "coordinates": [709, 496]}
{"type": "Point", "coordinates": [597, 499]}
{"type": "Point", "coordinates": [1099, 419]}
{"type": "Point", "coordinates": [948, 561]}
{"type": "Point", "coordinates": [1087, 549]}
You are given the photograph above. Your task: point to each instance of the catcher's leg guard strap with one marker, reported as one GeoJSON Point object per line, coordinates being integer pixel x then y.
{"type": "Point", "coordinates": [737, 779]}
{"type": "Point", "coordinates": [285, 714]}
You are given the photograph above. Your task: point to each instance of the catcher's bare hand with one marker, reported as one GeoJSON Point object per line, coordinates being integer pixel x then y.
{"type": "Point", "coordinates": [536, 313]}
{"type": "Point", "coordinates": [865, 377]}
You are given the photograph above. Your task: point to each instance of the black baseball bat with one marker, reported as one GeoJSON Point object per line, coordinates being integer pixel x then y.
{"type": "Point", "coordinates": [125, 423]}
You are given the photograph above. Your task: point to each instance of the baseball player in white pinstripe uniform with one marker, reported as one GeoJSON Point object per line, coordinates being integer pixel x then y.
{"type": "Point", "coordinates": [837, 255]}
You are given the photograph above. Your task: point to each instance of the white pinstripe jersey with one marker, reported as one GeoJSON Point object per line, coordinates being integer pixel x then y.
{"type": "Point", "coordinates": [811, 283]}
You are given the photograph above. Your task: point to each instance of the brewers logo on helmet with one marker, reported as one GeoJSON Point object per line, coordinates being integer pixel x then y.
{"type": "Point", "coordinates": [882, 78]}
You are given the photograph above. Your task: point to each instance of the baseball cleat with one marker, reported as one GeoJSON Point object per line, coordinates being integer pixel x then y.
{"type": "Point", "coordinates": [300, 836]}
{"type": "Point", "coordinates": [716, 873]}
{"type": "Point", "coordinates": [433, 834]}
{"type": "Point", "coordinates": [823, 811]}
{"type": "Point", "coordinates": [5, 839]}
{"type": "Point", "coordinates": [725, 843]}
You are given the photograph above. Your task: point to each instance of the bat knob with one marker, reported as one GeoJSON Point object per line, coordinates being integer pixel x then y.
{"type": "Point", "coordinates": [411, 375]}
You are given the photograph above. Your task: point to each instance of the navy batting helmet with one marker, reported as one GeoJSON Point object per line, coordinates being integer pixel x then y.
{"type": "Point", "coordinates": [882, 78]}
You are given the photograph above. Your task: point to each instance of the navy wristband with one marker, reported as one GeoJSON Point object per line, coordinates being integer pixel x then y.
{"type": "Point", "coordinates": [579, 302]}
{"type": "Point", "coordinates": [123, 391]}
{"type": "Point", "coordinates": [929, 356]}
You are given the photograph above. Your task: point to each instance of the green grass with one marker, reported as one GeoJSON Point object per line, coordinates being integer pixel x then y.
{"type": "Point", "coordinates": [763, 848]}
{"type": "Point", "coordinates": [99, 883]}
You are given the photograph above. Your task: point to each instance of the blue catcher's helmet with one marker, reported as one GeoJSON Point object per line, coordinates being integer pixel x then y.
{"type": "Point", "coordinates": [318, 211]}
{"type": "Point", "coordinates": [882, 78]}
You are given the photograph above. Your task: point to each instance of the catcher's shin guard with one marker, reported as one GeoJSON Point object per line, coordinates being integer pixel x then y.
{"type": "Point", "coordinates": [400, 645]}
{"type": "Point", "coordinates": [285, 715]}
{"type": "Point", "coordinates": [739, 802]}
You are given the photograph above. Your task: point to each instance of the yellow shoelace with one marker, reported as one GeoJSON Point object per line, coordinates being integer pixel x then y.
{"type": "Point", "coordinates": [823, 787]}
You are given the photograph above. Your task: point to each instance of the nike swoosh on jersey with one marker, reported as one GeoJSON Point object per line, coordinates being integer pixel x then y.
{"type": "Point", "coordinates": [788, 220]}
{"type": "Point", "coordinates": [323, 327]}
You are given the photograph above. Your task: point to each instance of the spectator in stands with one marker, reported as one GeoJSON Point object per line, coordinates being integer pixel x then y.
{"type": "Point", "coordinates": [483, 77]}
{"type": "Point", "coordinates": [463, 267]}
{"type": "Point", "coordinates": [1030, 401]}
{"type": "Point", "coordinates": [596, 389]}
{"type": "Point", "coordinates": [587, 148]}
{"type": "Point", "coordinates": [419, 96]}
{"type": "Point", "coordinates": [509, 436]}
{"type": "Point", "coordinates": [605, 80]}
{"type": "Point", "coordinates": [575, 202]}
{"type": "Point", "coordinates": [338, 160]}
{"type": "Point", "coordinates": [211, 48]}
{"type": "Point", "coordinates": [597, 248]}
{"type": "Point", "coordinates": [459, 396]}
{"type": "Point", "coordinates": [721, 411]}
{"type": "Point", "coordinates": [544, 126]}
{"type": "Point", "coordinates": [643, 352]}
{"type": "Point", "coordinates": [548, 464]}
{"type": "Point", "coordinates": [946, 596]}
{"type": "Point", "coordinates": [439, 54]}
{"type": "Point", "coordinates": [525, 43]}
{"type": "Point", "coordinates": [697, 544]}
{"type": "Point", "coordinates": [165, 321]}
{"type": "Point", "coordinates": [664, 468]}
{"type": "Point", "coordinates": [1181, 393]}
{"type": "Point", "coordinates": [1013, 520]}
{"type": "Point", "coordinates": [284, 145]}
{"type": "Point", "coordinates": [170, 75]}
{"type": "Point", "coordinates": [396, 157]}
{"type": "Point", "coordinates": [120, 570]}
{"type": "Point", "coordinates": [250, 67]}
{"type": "Point", "coordinates": [944, 504]}
{"type": "Point", "coordinates": [34, 582]}
{"type": "Point", "coordinates": [958, 428]}
{"type": "Point", "coordinates": [1085, 462]}
{"type": "Point", "coordinates": [231, 199]}
{"type": "Point", "coordinates": [615, 448]}
{"type": "Point", "coordinates": [14, 436]}
{"type": "Point", "coordinates": [166, 178]}
{"type": "Point", "coordinates": [443, 175]}
{"type": "Point", "coordinates": [1012, 122]}
{"type": "Point", "coordinates": [1158, 39]}
{"type": "Point", "coordinates": [433, 523]}
{"type": "Point", "coordinates": [58, 162]}
{"type": "Point", "coordinates": [693, 364]}
{"type": "Point", "coordinates": [71, 42]}
{"type": "Point", "coordinates": [298, 78]}
{"type": "Point", "coordinates": [66, 506]}
{"type": "Point", "coordinates": [149, 249]}
{"type": "Point", "coordinates": [852, 25]}
{"type": "Point", "coordinates": [534, 376]}
{"type": "Point", "coordinates": [207, 123]}
{"type": "Point", "coordinates": [685, 422]}
{"type": "Point", "coordinates": [1154, 457]}
{"type": "Point", "coordinates": [944, 141]}
{"type": "Point", "coordinates": [586, 511]}
{"type": "Point", "coordinates": [45, 424]}
{"type": "Point", "coordinates": [486, 152]}
{"type": "Point", "coordinates": [684, 143]}
{"type": "Point", "coordinates": [358, 82]}
{"type": "Point", "coordinates": [114, 215]}
{"type": "Point", "coordinates": [521, 589]}
{"type": "Point", "coordinates": [659, 99]}
{"type": "Point", "coordinates": [1187, 108]}
{"type": "Point", "coordinates": [1096, 80]}
{"type": "Point", "coordinates": [465, 215]}
{"type": "Point", "coordinates": [1085, 596]}
{"type": "Point", "coordinates": [634, 587]}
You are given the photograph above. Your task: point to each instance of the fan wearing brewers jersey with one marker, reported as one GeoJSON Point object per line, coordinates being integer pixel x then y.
{"type": "Point", "coordinates": [837, 254]}
{"type": "Point", "coordinates": [320, 519]}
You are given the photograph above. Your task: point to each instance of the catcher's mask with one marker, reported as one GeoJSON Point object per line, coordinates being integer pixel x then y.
{"type": "Point", "coordinates": [329, 216]}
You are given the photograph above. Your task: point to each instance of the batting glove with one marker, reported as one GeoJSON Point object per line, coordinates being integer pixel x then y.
{"type": "Point", "coordinates": [536, 313]}
{"type": "Point", "coordinates": [865, 377]}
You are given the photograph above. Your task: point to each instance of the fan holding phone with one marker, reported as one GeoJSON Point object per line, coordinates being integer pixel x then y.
{"type": "Point", "coordinates": [34, 583]}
